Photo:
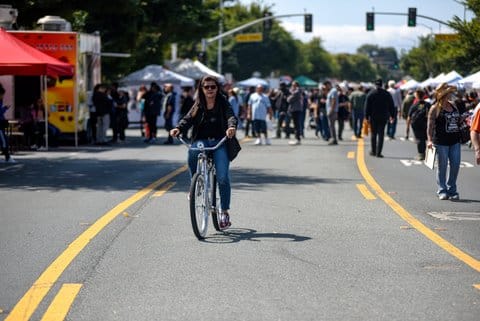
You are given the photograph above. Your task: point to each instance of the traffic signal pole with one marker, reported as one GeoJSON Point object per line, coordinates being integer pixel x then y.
{"type": "Point", "coordinates": [222, 35]}
{"type": "Point", "coordinates": [418, 15]}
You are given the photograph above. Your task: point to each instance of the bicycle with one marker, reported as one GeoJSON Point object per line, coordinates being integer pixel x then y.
{"type": "Point", "coordinates": [204, 190]}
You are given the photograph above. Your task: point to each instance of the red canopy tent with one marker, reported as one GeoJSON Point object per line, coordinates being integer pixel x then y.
{"type": "Point", "coordinates": [20, 59]}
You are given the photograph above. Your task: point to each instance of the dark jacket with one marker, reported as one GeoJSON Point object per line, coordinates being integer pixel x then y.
{"type": "Point", "coordinates": [379, 105]}
{"type": "Point", "coordinates": [225, 109]}
{"type": "Point", "coordinates": [153, 103]}
{"type": "Point", "coordinates": [102, 103]}
{"type": "Point", "coordinates": [295, 100]}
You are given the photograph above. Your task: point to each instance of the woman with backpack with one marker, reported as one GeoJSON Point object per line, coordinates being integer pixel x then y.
{"type": "Point", "coordinates": [417, 119]}
{"type": "Point", "coordinates": [443, 132]}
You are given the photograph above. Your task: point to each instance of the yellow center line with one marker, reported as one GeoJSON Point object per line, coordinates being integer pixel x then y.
{"type": "Point", "coordinates": [476, 286]}
{"type": "Point", "coordinates": [24, 309]}
{"type": "Point", "coordinates": [57, 311]}
{"type": "Point", "coordinates": [164, 189]}
{"type": "Point", "coordinates": [366, 192]}
{"type": "Point", "coordinates": [409, 218]}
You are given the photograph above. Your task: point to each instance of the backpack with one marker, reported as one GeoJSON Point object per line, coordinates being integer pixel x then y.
{"type": "Point", "coordinates": [419, 117]}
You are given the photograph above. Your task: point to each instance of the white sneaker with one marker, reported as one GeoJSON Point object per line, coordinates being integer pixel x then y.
{"type": "Point", "coordinates": [268, 141]}
{"type": "Point", "coordinates": [258, 141]}
{"type": "Point", "coordinates": [294, 142]}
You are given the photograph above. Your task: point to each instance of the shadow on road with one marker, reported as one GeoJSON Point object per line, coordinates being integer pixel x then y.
{"type": "Point", "coordinates": [235, 235]}
{"type": "Point", "coordinates": [253, 179]}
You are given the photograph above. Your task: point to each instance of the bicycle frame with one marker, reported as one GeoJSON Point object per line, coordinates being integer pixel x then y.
{"type": "Point", "coordinates": [205, 169]}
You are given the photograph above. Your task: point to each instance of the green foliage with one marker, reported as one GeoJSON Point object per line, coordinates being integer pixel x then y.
{"type": "Point", "coordinates": [432, 56]}
{"type": "Point", "coordinates": [146, 30]}
{"type": "Point", "coordinates": [355, 67]}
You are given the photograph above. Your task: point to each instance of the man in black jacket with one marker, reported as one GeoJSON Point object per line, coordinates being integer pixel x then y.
{"type": "Point", "coordinates": [153, 106]}
{"type": "Point", "coordinates": [379, 109]}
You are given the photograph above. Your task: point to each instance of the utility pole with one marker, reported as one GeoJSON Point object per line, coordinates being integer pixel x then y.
{"type": "Point", "coordinates": [220, 41]}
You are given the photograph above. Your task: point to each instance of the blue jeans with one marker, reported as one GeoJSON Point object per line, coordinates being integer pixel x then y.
{"type": "Point", "coordinates": [357, 116]}
{"type": "Point", "coordinates": [445, 155]}
{"type": "Point", "coordinates": [392, 127]}
{"type": "Point", "coordinates": [325, 127]}
{"type": "Point", "coordinates": [222, 165]}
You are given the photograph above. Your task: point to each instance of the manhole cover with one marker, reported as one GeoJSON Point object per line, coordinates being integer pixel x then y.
{"type": "Point", "coordinates": [455, 216]}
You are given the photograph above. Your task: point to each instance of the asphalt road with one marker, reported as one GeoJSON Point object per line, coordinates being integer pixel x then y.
{"type": "Point", "coordinates": [103, 233]}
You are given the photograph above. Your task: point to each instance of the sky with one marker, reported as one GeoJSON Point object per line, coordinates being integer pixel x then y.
{"type": "Point", "coordinates": [341, 23]}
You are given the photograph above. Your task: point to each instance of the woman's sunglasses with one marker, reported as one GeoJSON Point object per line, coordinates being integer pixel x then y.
{"type": "Point", "coordinates": [212, 87]}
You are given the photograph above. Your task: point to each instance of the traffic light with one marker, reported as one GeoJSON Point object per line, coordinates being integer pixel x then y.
{"type": "Point", "coordinates": [412, 17]}
{"type": "Point", "coordinates": [308, 22]}
{"type": "Point", "coordinates": [267, 24]}
{"type": "Point", "coordinates": [370, 21]}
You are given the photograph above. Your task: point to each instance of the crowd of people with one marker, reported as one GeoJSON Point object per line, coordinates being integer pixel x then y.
{"type": "Point", "coordinates": [436, 117]}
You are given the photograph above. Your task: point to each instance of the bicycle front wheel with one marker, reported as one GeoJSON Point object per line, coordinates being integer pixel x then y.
{"type": "Point", "coordinates": [198, 207]}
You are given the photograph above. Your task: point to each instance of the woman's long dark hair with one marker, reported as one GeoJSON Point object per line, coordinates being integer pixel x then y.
{"type": "Point", "coordinates": [200, 99]}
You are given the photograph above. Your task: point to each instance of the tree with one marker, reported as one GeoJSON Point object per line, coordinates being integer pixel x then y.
{"type": "Point", "coordinates": [355, 67]}
{"type": "Point", "coordinates": [143, 28]}
{"type": "Point", "coordinates": [317, 62]}
{"type": "Point", "coordinates": [465, 49]}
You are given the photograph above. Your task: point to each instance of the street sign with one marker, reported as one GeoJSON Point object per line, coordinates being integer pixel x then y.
{"type": "Point", "coordinates": [446, 36]}
{"type": "Point", "coordinates": [249, 37]}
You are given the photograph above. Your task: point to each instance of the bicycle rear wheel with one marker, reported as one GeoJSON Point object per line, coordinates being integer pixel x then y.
{"type": "Point", "coordinates": [198, 207]}
{"type": "Point", "coordinates": [215, 203]}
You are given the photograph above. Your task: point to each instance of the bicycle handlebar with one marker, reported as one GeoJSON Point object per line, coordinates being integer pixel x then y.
{"type": "Point", "coordinates": [203, 148]}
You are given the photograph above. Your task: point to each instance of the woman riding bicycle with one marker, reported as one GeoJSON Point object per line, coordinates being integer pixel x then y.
{"type": "Point", "coordinates": [211, 117]}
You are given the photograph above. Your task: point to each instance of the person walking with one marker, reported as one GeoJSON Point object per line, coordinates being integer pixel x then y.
{"type": "Point", "coordinates": [443, 132]}
{"type": "Point", "coordinates": [343, 112]}
{"type": "Point", "coordinates": [234, 102]}
{"type": "Point", "coordinates": [332, 111]}
{"type": "Point", "coordinates": [168, 107]}
{"type": "Point", "coordinates": [186, 103]}
{"type": "Point", "coordinates": [417, 120]}
{"type": "Point", "coordinates": [295, 101]}
{"type": "Point", "coordinates": [248, 122]}
{"type": "Point", "coordinates": [151, 111]}
{"type": "Point", "coordinates": [379, 109]}
{"type": "Point", "coordinates": [282, 110]}
{"type": "Point", "coordinates": [211, 118]}
{"type": "Point", "coordinates": [397, 103]}
{"type": "Point", "coordinates": [475, 133]}
{"type": "Point", "coordinates": [3, 128]}
{"type": "Point", "coordinates": [357, 106]}
{"type": "Point", "coordinates": [407, 103]}
{"type": "Point", "coordinates": [259, 107]}
{"type": "Point", "coordinates": [121, 116]}
{"type": "Point", "coordinates": [103, 107]}
{"type": "Point", "coordinates": [322, 114]}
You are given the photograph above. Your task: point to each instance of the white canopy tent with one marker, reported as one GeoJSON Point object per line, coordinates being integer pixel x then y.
{"type": "Point", "coordinates": [451, 78]}
{"type": "Point", "coordinates": [158, 74]}
{"type": "Point", "coordinates": [468, 81]}
{"type": "Point", "coordinates": [162, 76]}
{"type": "Point", "coordinates": [430, 81]}
{"type": "Point", "coordinates": [252, 82]}
{"type": "Point", "coordinates": [411, 84]}
{"type": "Point", "coordinates": [193, 69]}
